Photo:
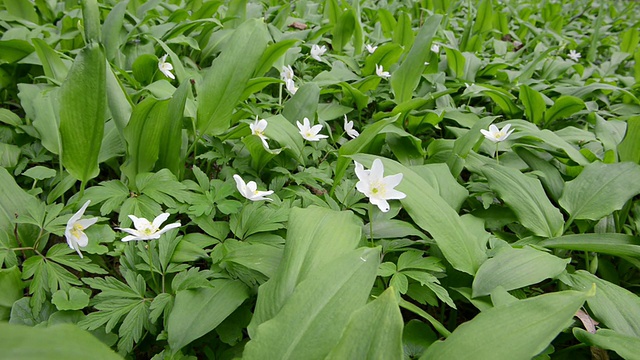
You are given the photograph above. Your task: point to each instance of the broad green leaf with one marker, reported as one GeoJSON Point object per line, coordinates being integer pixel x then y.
{"type": "Point", "coordinates": [440, 178]}
{"type": "Point", "coordinates": [403, 32]}
{"type": "Point", "coordinates": [311, 320]}
{"type": "Point", "coordinates": [51, 62]}
{"type": "Point", "coordinates": [515, 269]}
{"type": "Point", "coordinates": [629, 148]}
{"type": "Point", "coordinates": [526, 197]}
{"type": "Point", "coordinates": [170, 151]}
{"type": "Point", "coordinates": [40, 173]}
{"type": "Point", "coordinates": [386, 55]}
{"type": "Point", "coordinates": [12, 51]}
{"type": "Point", "coordinates": [47, 118]}
{"type": "Point", "coordinates": [74, 299]}
{"type": "Point", "coordinates": [465, 143]}
{"type": "Point", "coordinates": [628, 347]}
{"type": "Point", "coordinates": [111, 31]}
{"type": "Point", "coordinates": [119, 103]}
{"type": "Point", "coordinates": [600, 189]}
{"type": "Point", "coordinates": [484, 17]}
{"type": "Point", "coordinates": [272, 54]}
{"type": "Point", "coordinates": [91, 21]}
{"type": "Point", "coordinates": [613, 306]}
{"type": "Point", "coordinates": [22, 9]}
{"type": "Point", "coordinates": [563, 107]}
{"type": "Point", "coordinates": [286, 134]}
{"type": "Point", "coordinates": [432, 213]}
{"type": "Point", "coordinates": [549, 141]}
{"type": "Point", "coordinates": [552, 179]}
{"type": "Point", "coordinates": [630, 39]}
{"type": "Point", "coordinates": [455, 62]}
{"type": "Point", "coordinates": [405, 79]}
{"type": "Point", "coordinates": [198, 311]}
{"type": "Point", "coordinates": [527, 326]}
{"type": "Point", "coordinates": [612, 244]}
{"type": "Point", "coordinates": [343, 30]}
{"type": "Point", "coordinates": [82, 110]}
{"type": "Point", "coordinates": [303, 104]}
{"type": "Point", "coordinates": [534, 105]}
{"type": "Point", "coordinates": [11, 285]}
{"type": "Point", "coordinates": [14, 202]}
{"type": "Point", "coordinates": [373, 332]}
{"type": "Point", "coordinates": [311, 243]}
{"type": "Point", "coordinates": [227, 78]}
{"type": "Point", "coordinates": [143, 135]}
{"type": "Point", "coordinates": [58, 342]}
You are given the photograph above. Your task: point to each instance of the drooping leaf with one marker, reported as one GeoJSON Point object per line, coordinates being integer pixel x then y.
{"type": "Point", "coordinates": [612, 244]}
{"type": "Point", "coordinates": [600, 189]}
{"type": "Point", "coordinates": [628, 347]}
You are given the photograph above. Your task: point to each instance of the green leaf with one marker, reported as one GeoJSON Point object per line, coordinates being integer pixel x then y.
{"type": "Point", "coordinates": [40, 173]}
{"type": "Point", "coordinates": [170, 150]}
{"type": "Point", "coordinates": [526, 197]}
{"type": "Point", "coordinates": [373, 332]}
{"type": "Point", "coordinates": [563, 107]}
{"type": "Point", "coordinates": [615, 307]}
{"type": "Point", "coordinates": [343, 30]}
{"type": "Point", "coordinates": [432, 213]}
{"type": "Point", "coordinates": [91, 18]}
{"type": "Point", "coordinates": [74, 299]}
{"type": "Point", "coordinates": [12, 51]}
{"type": "Point", "coordinates": [600, 189]}
{"type": "Point", "coordinates": [82, 113]}
{"type": "Point", "coordinates": [628, 347]}
{"type": "Point", "coordinates": [227, 78]}
{"type": "Point", "coordinates": [403, 32]}
{"type": "Point", "coordinates": [317, 311]}
{"type": "Point", "coordinates": [484, 17]}
{"type": "Point", "coordinates": [455, 62]}
{"type": "Point", "coordinates": [273, 52]}
{"type": "Point", "coordinates": [303, 104]}
{"type": "Point", "coordinates": [58, 342]}
{"type": "Point", "coordinates": [612, 244]}
{"type": "Point", "coordinates": [22, 9]}
{"type": "Point", "coordinates": [11, 285]}
{"type": "Point", "coordinates": [534, 105]}
{"type": "Point", "coordinates": [51, 62]}
{"type": "Point", "coordinates": [14, 202]}
{"type": "Point", "coordinates": [552, 179]}
{"type": "Point", "coordinates": [111, 31]}
{"type": "Point", "coordinates": [629, 148]}
{"type": "Point", "coordinates": [198, 311]}
{"type": "Point", "coordinates": [515, 269]}
{"type": "Point", "coordinates": [311, 243]}
{"type": "Point", "coordinates": [406, 78]}
{"type": "Point", "coordinates": [528, 326]}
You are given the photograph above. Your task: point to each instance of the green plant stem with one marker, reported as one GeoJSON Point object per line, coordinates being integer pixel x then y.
{"type": "Point", "coordinates": [587, 261]}
{"type": "Point", "coordinates": [81, 193]}
{"type": "Point", "coordinates": [371, 224]}
{"type": "Point", "coordinates": [418, 311]}
{"type": "Point", "coordinates": [497, 154]}
{"type": "Point", "coordinates": [155, 282]}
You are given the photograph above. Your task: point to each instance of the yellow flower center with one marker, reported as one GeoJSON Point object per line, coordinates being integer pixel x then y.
{"type": "Point", "coordinates": [77, 230]}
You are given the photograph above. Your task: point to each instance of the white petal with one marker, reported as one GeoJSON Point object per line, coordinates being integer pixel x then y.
{"type": "Point", "coordinates": [251, 187]}
{"type": "Point", "coordinates": [167, 228]}
{"type": "Point", "coordinates": [392, 181]}
{"type": "Point", "coordinates": [139, 223]}
{"type": "Point", "coordinates": [493, 129]}
{"type": "Point", "coordinates": [361, 173]}
{"type": "Point", "coordinates": [316, 129]}
{"type": "Point", "coordinates": [78, 214]}
{"type": "Point", "coordinates": [264, 142]}
{"type": "Point", "coordinates": [133, 232]}
{"type": "Point", "coordinates": [83, 240]}
{"type": "Point", "coordinates": [486, 133]}
{"type": "Point", "coordinates": [377, 171]}
{"type": "Point", "coordinates": [505, 129]}
{"type": "Point", "coordinates": [131, 237]}
{"type": "Point", "coordinates": [393, 194]}
{"type": "Point", "coordinates": [363, 187]}
{"type": "Point", "coordinates": [240, 184]}
{"type": "Point", "coordinates": [85, 223]}
{"type": "Point", "coordinates": [382, 204]}
{"type": "Point", "coordinates": [300, 126]}
{"type": "Point", "coordinates": [159, 220]}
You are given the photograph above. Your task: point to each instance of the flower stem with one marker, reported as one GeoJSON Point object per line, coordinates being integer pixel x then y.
{"type": "Point", "coordinates": [371, 225]}
{"type": "Point", "coordinates": [497, 154]}
{"type": "Point", "coordinates": [155, 282]}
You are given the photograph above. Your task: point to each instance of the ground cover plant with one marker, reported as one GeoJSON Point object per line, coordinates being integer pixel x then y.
{"type": "Point", "coordinates": [319, 179]}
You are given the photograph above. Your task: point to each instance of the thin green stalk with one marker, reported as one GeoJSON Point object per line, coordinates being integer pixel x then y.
{"type": "Point", "coordinates": [497, 154]}
{"type": "Point", "coordinates": [418, 311]}
{"type": "Point", "coordinates": [152, 270]}
{"type": "Point", "coordinates": [371, 225]}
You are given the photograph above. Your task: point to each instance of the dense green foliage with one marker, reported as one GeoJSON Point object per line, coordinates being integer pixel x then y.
{"type": "Point", "coordinates": [273, 134]}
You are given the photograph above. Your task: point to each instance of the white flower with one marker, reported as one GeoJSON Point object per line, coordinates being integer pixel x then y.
{"type": "Point", "coordinates": [574, 55]}
{"type": "Point", "coordinates": [496, 135]}
{"type": "Point", "coordinates": [310, 132]}
{"type": "Point", "coordinates": [435, 48]}
{"type": "Point", "coordinates": [166, 67]}
{"type": "Point", "coordinates": [74, 232]}
{"type": "Point", "coordinates": [250, 190]}
{"type": "Point", "coordinates": [257, 128]}
{"type": "Point", "coordinates": [348, 128]}
{"type": "Point", "coordinates": [145, 230]}
{"type": "Point", "coordinates": [291, 86]}
{"type": "Point", "coordinates": [287, 73]}
{"type": "Point", "coordinates": [371, 49]}
{"type": "Point", "coordinates": [317, 51]}
{"type": "Point", "coordinates": [377, 188]}
{"type": "Point", "coordinates": [380, 72]}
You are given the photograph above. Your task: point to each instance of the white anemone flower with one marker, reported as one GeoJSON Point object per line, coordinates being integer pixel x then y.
{"type": "Point", "coordinates": [435, 48]}
{"type": "Point", "coordinates": [250, 190]}
{"type": "Point", "coordinates": [348, 128]}
{"type": "Point", "coordinates": [287, 73]}
{"type": "Point", "coordinates": [380, 72]}
{"type": "Point", "coordinates": [370, 48]}
{"type": "Point", "coordinates": [377, 187]}
{"type": "Point", "coordinates": [291, 86]}
{"type": "Point", "coordinates": [310, 132]}
{"type": "Point", "coordinates": [74, 232]}
{"type": "Point", "coordinates": [496, 135]}
{"type": "Point", "coordinates": [574, 55]}
{"type": "Point", "coordinates": [146, 230]}
{"type": "Point", "coordinates": [166, 67]}
{"type": "Point", "coordinates": [257, 128]}
{"type": "Point", "coordinates": [318, 51]}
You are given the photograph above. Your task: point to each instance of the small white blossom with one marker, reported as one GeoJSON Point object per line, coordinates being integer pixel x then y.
{"type": "Point", "coordinates": [146, 230]}
{"type": "Point", "coordinates": [317, 51]}
{"type": "Point", "coordinates": [348, 128]}
{"type": "Point", "coordinates": [309, 132]}
{"type": "Point", "coordinates": [287, 73]}
{"type": "Point", "coordinates": [74, 232]}
{"type": "Point", "coordinates": [496, 135]}
{"type": "Point", "coordinates": [435, 48]}
{"type": "Point", "coordinates": [166, 67]}
{"type": "Point", "coordinates": [257, 128]}
{"type": "Point", "coordinates": [250, 190]}
{"type": "Point", "coordinates": [380, 72]}
{"type": "Point", "coordinates": [377, 187]}
{"type": "Point", "coordinates": [574, 55]}
{"type": "Point", "coordinates": [371, 49]}
{"type": "Point", "coordinates": [291, 86]}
